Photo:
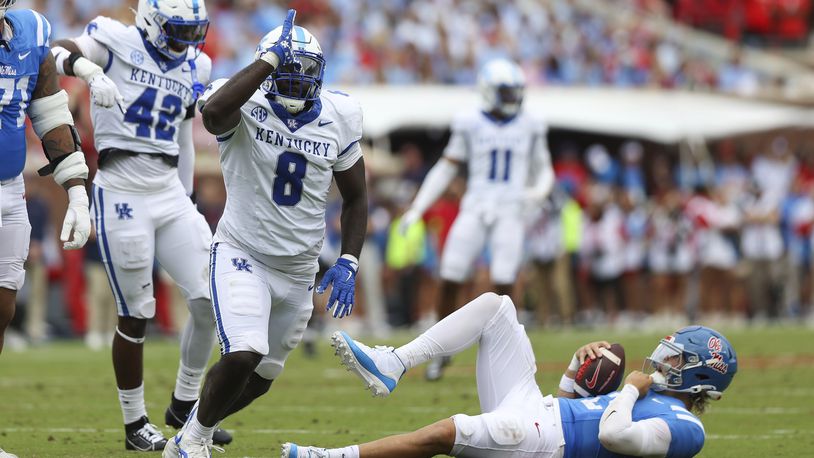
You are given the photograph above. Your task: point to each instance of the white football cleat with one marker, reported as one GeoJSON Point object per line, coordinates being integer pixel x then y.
{"type": "Point", "coordinates": [289, 450]}
{"type": "Point", "coordinates": [183, 447]}
{"type": "Point", "coordinates": [6, 454]}
{"type": "Point", "coordinates": [378, 367]}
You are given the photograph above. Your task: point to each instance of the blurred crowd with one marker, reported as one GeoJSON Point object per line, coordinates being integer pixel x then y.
{"type": "Point", "coordinates": [631, 235]}
{"type": "Point", "coordinates": [446, 41]}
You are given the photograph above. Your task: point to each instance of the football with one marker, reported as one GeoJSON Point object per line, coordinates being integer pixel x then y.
{"type": "Point", "coordinates": [601, 375]}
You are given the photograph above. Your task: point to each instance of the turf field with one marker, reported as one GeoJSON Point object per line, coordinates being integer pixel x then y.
{"type": "Point", "coordinates": [60, 400]}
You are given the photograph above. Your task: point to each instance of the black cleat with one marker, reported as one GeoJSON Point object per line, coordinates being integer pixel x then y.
{"type": "Point", "coordinates": [143, 436]}
{"type": "Point", "coordinates": [176, 417]}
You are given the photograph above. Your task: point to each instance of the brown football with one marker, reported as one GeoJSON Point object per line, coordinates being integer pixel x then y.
{"type": "Point", "coordinates": [601, 375]}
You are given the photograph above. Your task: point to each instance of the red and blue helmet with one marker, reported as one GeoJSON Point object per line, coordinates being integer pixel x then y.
{"type": "Point", "coordinates": [695, 359]}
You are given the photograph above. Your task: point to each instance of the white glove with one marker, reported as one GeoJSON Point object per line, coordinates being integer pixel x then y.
{"type": "Point", "coordinates": [77, 217]}
{"type": "Point", "coordinates": [103, 90]}
{"type": "Point", "coordinates": [409, 218]}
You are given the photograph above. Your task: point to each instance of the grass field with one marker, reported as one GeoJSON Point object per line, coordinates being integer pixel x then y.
{"type": "Point", "coordinates": [60, 400]}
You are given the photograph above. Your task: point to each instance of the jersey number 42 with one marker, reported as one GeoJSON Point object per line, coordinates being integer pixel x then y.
{"type": "Point", "coordinates": [140, 113]}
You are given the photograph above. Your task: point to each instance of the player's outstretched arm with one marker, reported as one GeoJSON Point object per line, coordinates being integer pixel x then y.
{"type": "Point", "coordinates": [434, 185]}
{"type": "Point", "coordinates": [221, 112]}
{"type": "Point", "coordinates": [53, 123]}
{"type": "Point", "coordinates": [86, 62]}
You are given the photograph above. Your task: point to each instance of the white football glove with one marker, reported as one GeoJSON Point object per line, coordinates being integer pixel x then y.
{"type": "Point", "coordinates": [103, 91]}
{"type": "Point", "coordinates": [409, 218]}
{"type": "Point", "coordinates": [77, 218]}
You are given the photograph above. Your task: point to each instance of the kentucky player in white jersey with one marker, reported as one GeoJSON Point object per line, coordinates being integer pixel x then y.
{"type": "Point", "coordinates": [509, 173]}
{"type": "Point", "coordinates": [652, 415]}
{"type": "Point", "coordinates": [144, 81]}
{"type": "Point", "coordinates": [29, 86]}
{"type": "Point", "coordinates": [282, 142]}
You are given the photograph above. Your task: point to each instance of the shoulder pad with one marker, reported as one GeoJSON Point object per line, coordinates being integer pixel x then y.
{"type": "Point", "coordinates": [106, 30]}
{"type": "Point", "coordinates": [34, 28]}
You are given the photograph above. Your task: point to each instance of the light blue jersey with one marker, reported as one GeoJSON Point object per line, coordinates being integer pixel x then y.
{"type": "Point", "coordinates": [580, 424]}
{"type": "Point", "coordinates": [20, 61]}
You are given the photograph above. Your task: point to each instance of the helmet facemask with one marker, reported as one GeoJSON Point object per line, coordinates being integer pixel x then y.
{"type": "Point", "coordinates": [294, 86]}
{"type": "Point", "coordinates": [178, 35]}
{"type": "Point", "coordinates": [667, 365]}
{"type": "Point", "coordinates": [508, 99]}
{"type": "Point", "coordinates": [4, 6]}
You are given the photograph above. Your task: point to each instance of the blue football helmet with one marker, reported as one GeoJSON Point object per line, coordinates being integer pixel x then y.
{"type": "Point", "coordinates": [695, 359]}
{"type": "Point", "coordinates": [291, 85]}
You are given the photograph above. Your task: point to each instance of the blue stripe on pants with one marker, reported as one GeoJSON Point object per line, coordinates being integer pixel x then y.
{"type": "Point", "coordinates": [214, 292]}
{"type": "Point", "coordinates": [104, 248]}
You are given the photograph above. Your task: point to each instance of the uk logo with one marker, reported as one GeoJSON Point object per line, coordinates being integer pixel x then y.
{"type": "Point", "coordinates": [260, 114]}
{"type": "Point", "coordinates": [242, 264]}
{"type": "Point", "coordinates": [292, 124]}
{"type": "Point", "coordinates": [124, 211]}
{"type": "Point", "coordinates": [137, 57]}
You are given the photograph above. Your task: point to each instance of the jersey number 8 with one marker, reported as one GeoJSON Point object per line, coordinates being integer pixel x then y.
{"type": "Point", "coordinates": [290, 171]}
{"type": "Point", "coordinates": [141, 114]}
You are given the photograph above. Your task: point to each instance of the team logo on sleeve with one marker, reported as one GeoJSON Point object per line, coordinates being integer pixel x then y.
{"type": "Point", "coordinates": [260, 114]}
{"type": "Point", "coordinates": [137, 57]}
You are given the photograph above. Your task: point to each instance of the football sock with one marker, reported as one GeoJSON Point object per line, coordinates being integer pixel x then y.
{"type": "Point", "coordinates": [453, 334]}
{"type": "Point", "coordinates": [197, 342]}
{"type": "Point", "coordinates": [187, 384]}
{"type": "Point", "coordinates": [195, 430]}
{"type": "Point", "coordinates": [132, 402]}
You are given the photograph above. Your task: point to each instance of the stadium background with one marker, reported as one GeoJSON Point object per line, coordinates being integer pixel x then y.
{"type": "Point", "coordinates": [663, 116]}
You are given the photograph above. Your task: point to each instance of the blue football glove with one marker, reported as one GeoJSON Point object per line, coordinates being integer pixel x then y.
{"type": "Point", "coordinates": [283, 48]}
{"type": "Point", "coordinates": [342, 276]}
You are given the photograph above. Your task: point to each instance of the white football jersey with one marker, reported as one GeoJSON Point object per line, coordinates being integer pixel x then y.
{"type": "Point", "coordinates": [502, 157]}
{"type": "Point", "coordinates": [158, 97]}
{"type": "Point", "coordinates": [278, 169]}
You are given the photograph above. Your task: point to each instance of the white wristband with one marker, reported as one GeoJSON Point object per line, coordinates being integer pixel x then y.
{"type": "Point", "coordinates": [353, 260]}
{"type": "Point", "coordinates": [85, 69]}
{"type": "Point", "coordinates": [270, 58]}
{"type": "Point", "coordinates": [567, 384]}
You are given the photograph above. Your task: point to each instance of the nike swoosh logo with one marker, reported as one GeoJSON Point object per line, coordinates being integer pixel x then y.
{"type": "Point", "coordinates": [324, 123]}
{"type": "Point", "coordinates": [310, 287]}
{"type": "Point", "coordinates": [23, 56]}
{"type": "Point", "coordinates": [538, 428]}
{"type": "Point", "coordinates": [349, 275]}
{"type": "Point", "coordinates": [592, 382]}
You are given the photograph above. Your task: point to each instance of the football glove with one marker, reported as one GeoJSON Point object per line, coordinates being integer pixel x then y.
{"type": "Point", "coordinates": [103, 91]}
{"type": "Point", "coordinates": [281, 52]}
{"type": "Point", "coordinates": [77, 218]}
{"type": "Point", "coordinates": [342, 277]}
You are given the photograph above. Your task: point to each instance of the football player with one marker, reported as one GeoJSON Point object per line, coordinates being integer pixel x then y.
{"type": "Point", "coordinates": [144, 81]}
{"type": "Point", "coordinates": [509, 174]}
{"type": "Point", "coordinates": [29, 86]}
{"type": "Point", "coordinates": [282, 141]}
{"type": "Point", "coordinates": [652, 415]}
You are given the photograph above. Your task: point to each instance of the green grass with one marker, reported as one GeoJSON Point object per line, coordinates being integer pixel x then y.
{"type": "Point", "coordinates": [60, 400]}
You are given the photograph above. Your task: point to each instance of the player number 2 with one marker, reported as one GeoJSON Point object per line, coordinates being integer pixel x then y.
{"type": "Point", "coordinates": [140, 113]}
{"type": "Point", "coordinates": [287, 186]}
{"type": "Point", "coordinates": [494, 174]}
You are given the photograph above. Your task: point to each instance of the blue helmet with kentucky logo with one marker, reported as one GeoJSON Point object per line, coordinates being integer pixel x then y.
{"type": "Point", "coordinates": [291, 85]}
{"type": "Point", "coordinates": [695, 359]}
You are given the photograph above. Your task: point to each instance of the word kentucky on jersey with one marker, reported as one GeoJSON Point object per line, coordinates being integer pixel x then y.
{"type": "Point", "coordinates": [139, 75]}
{"type": "Point", "coordinates": [306, 146]}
